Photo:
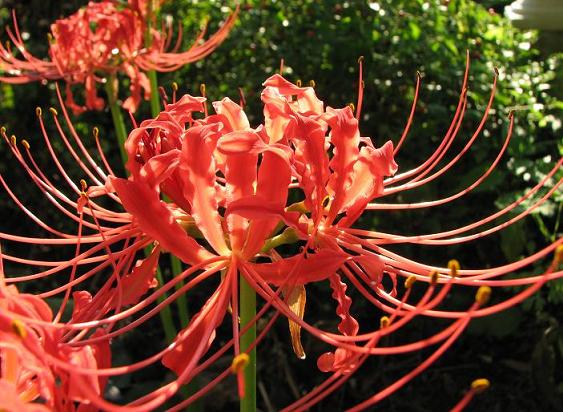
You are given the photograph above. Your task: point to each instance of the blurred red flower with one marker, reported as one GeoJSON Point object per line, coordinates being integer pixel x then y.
{"type": "Point", "coordinates": [100, 40]}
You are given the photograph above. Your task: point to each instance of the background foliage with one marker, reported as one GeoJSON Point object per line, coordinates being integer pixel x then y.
{"type": "Point", "coordinates": [521, 350]}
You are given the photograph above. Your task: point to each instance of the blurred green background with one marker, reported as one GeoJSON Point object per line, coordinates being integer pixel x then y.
{"type": "Point", "coordinates": [521, 350]}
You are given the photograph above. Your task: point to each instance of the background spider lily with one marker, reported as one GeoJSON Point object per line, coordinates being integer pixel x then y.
{"type": "Point", "coordinates": [99, 41]}
{"type": "Point", "coordinates": [273, 206]}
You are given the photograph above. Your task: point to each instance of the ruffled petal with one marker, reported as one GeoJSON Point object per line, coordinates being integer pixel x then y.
{"type": "Point", "coordinates": [157, 221]}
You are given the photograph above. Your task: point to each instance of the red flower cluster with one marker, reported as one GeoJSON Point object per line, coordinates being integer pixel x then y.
{"type": "Point", "coordinates": [99, 41]}
{"type": "Point", "coordinates": [239, 200]}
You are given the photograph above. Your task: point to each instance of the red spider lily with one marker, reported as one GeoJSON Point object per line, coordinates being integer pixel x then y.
{"type": "Point", "coordinates": [99, 41]}
{"type": "Point", "coordinates": [31, 352]}
{"type": "Point", "coordinates": [229, 213]}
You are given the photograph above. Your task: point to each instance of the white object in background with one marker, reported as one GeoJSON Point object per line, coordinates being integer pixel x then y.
{"type": "Point", "coordinates": [536, 14]}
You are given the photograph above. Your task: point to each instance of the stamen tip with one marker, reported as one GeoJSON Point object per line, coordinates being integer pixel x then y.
{"type": "Point", "coordinates": [18, 327]}
{"type": "Point", "coordinates": [53, 111]}
{"type": "Point", "coordinates": [25, 144]}
{"type": "Point", "coordinates": [480, 385]}
{"type": "Point", "coordinates": [38, 112]}
{"type": "Point", "coordinates": [410, 281]}
{"type": "Point", "coordinates": [453, 266]}
{"type": "Point", "coordinates": [434, 275]}
{"type": "Point", "coordinates": [483, 294]}
{"type": "Point", "coordinates": [384, 322]}
{"type": "Point", "coordinates": [558, 258]}
{"type": "Point", "coordinates": [239, 363]}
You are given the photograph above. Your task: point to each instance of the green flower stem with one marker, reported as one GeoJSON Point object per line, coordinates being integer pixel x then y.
{"type": "Point", "coordinates": [165, 314]}
{"type": "Point", "coordinates": [155, 98]}
{"type": "Point", "coordinates": [151, 74]}
{"type": "Point", "coordinates": [181, 302]}
{"type": "Point", "coordinates": [175, 264]}
{"type": "Point", "coordinates": [247, 314]}
{"type": "Point", "coordinates": [121, 132]}
{"type": "Point", "coordinates": [287, 237]}
{"type": "Point", "coordinates": [116, 115]}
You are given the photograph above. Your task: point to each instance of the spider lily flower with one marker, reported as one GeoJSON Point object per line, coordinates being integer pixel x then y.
{"type": "Point", "coordinates": [31, 350]}
{"type": "Point", "coordinates": [228, 213]}
{"type": "Point", "coordinates": [99, 41]}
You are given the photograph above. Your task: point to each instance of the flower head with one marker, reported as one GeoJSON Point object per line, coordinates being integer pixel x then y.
{"type": "Point", "coordinates": [98, 41]}
{"type": "Point", "coordinates": [38, 361]}
{"type": "Point", "coordinates": [276, 204]}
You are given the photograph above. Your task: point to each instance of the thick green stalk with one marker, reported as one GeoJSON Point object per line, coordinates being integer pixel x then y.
{"type": "Point", "coordinates": [165, 314]}
{"type": "Point", "coordinates": [121, 133]}
{"type": "Point", "coordinates": [151, 74]}
{"type": "Point", "coordinates": [155, 102]}
{"type": "Point", "coordinates": [117, 116]}
{"type": "Point", "coordinates": [247, 314]}
{"type": "Point", "coordinates": [175, 264]}
{"type": "Point", "coordinates": [181, 302]}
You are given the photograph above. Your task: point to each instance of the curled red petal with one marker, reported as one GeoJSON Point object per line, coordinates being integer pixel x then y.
{"type": "Point", "coordinates": [157, 221]}
{"type": "Point", "coordinates": [200, 333]}
{"type": "Point", "coordinates": [198, 173]}
{"type": "Point", "coordinates": [140, 280]}
{"type": "Point", "coordinates": [313, 268]}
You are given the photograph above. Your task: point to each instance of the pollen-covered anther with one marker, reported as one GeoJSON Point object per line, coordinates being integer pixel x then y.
{"type": "Point", "coordinates": [202, 89]}
{"type": "Point", "coordinates": [95, 132]}
{"type": "Point", "coordinates": [18, 327]}
{"type": "Point", "coordinates": [2, 130]}
{"type": "Point", "coordinates": [361, 59]}
{"type": "Point", "coordinates": [53, 111]}
{"type": "Point", "coordinates": [13, 140]}
{"type": "Point", "coordinates": [174, 86]}
{"type": "Point", "coordinates": [38, 111]}
{"type": "Point", "coordinates": [352, 106]}
{"type": "Point", "coordinates": [453, 266]}
{"type": "Point", "coordinates": [312, 83]}
{"type": "Point", "coordinates": [298, 83]}
{"type": "Point", "coordinates": [384, 322]}
{"type": "Point", "coordinates": [410, 281]}
{"type": "Point", "coordinates": [25, 144]}
{"type": "Point", "coordinates": [83, 185]}
{"type": "Point", "coordinates": [558, 255]}
{"type": "Point", "coordinates": [483, 294]}
{"type": "Point", "coordinates": [480, 385]}
{"type": "Point", "coordinates": [434, 276]}
{"type": "Point", "coordinates": [239, 363]}
{"type": "Point", "coordinates": [326, 202]}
